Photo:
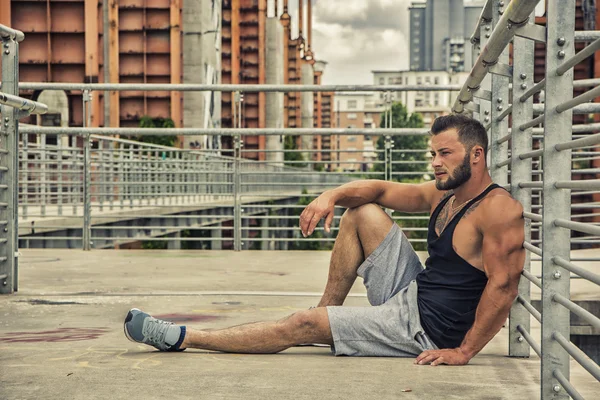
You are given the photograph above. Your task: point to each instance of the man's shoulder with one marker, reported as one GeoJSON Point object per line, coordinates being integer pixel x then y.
{"type": "Point", "coordinates": [499, 207]}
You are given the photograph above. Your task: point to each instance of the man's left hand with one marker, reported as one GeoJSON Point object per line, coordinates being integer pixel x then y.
{"type": "Point", "coordinates": [444, 356]}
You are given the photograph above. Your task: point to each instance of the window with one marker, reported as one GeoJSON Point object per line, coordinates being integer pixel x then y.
{"type": "Point", "coordinates": [390, 81]}
{"type": "Point", "coordinates": [382, 81]}
{"type": "Point", "coordinates": [352, 104]}
{"type": "Point", "coordinates": [436, 80]}
{"type": "Point", "coordinates": [399, 81]}
{"type": "Point", "coordinates": [351, 115]}
{"type": "Point", "coordinates": [419, 80]}
{"type": "Point", "coordinates": [351, 139]}
{"type": "Point", "coordinates": [428, 80]}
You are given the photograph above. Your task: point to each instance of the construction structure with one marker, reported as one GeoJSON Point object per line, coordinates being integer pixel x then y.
{"type": "Point", "coordinates": [171, 41]}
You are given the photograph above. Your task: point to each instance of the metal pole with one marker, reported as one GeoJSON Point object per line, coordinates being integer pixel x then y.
{"type": "Point", "coordinates": [520, 171]}
{"type": "Point", "coordinates": [498, 129]}
{"type": "Point", "coordinates": [9, 133]}
{"type": "Point", "coordinates": [237, 183]}
{"type": "Point", "coordinates": [87, 174]}
{"type": "Point", "coordinates": [106, 66]}
{"type": "Point", "coordinates": [557, 202]}
{"type": "Point", "coordinates": [485, 105]}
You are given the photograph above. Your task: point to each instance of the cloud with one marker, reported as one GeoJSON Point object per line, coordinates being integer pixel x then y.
{"type": "Point", "coordinates": [357, 36]}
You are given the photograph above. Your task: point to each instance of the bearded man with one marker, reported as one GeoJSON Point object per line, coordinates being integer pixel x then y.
{"type": "Point", "coordinates": [444, 313]}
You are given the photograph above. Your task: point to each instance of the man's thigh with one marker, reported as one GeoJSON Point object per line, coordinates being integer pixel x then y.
{"type": "Point", "coordinates": [390, 267]}
{"type": "Point", "coordinates": [389, 330]}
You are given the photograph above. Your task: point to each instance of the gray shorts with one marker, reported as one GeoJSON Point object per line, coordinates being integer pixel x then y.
{"type": "Point", "coordinates": [392, 327]}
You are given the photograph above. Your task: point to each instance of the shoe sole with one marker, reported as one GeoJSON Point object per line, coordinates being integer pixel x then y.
{"type": "Point", "coordinates": [128, 318]}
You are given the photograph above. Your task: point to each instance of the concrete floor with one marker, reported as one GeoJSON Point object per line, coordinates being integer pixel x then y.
{"type": "Point", "coordinates": [61, 335]}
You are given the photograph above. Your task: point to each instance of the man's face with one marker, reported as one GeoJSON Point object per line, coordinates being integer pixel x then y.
{"type": "Point", "coordinates": [451, 162]}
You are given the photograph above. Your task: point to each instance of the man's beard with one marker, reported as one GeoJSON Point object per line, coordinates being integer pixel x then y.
{"type": "Point", "coordinates": [460, 175]}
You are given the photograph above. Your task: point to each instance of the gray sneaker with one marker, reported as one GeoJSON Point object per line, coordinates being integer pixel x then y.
{"type": "Point", "coordinates": [140, 327]}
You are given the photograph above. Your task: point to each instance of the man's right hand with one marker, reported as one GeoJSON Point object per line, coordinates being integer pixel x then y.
{"type": "Point", "coordinates": [321, 207]}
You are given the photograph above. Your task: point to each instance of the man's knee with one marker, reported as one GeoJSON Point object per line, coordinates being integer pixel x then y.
{"type": "Point", "coordinates": [367, 213]}
{"type": "Point", "coordinates": [306, 324]}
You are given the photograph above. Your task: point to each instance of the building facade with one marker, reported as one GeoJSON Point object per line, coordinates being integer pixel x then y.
{"type": "Point", "coordinates": [430, 104]}
{"type": "Point", "coordinates": [356, 110]}
{"type": "Point", "coordinates": [440, 32]}
{"type": "Point", "coordinates": [166, 41]}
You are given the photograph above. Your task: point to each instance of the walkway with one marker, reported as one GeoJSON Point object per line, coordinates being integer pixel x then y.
{"type": "Point", "coordinates": [61, 335]}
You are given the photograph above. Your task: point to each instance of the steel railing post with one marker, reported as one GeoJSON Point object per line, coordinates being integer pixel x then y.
{"type": "Point", "coordinates": [87, 177]}
{"type": "Point", "coordinates": [9, 147]}
{"type": "Point", "coordinates": [520, 171]}
{"type": "Point", "coordinates": [498, 151]}
{"type": "Point", "coordinates": [557, 202]}
{"type": "Point", "coordinates": [237, 183]}
{"type": "Point", "coordinates": [388, 144]}
{"type": "Point", "coordinates": [485, 105]}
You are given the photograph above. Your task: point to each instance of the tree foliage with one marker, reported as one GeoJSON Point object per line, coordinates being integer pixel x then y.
{"type": "Point", "coordinates": [149, 122]}
{"type": "Point", "coordinates": [401, 119]}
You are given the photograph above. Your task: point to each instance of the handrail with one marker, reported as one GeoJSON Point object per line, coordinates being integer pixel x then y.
{"type": "Point", "coordinates": [10, 33]}
{"type": "Point", "coordinates": [30, 106]}
{"type": "Point", "coordinates": [517, 12]}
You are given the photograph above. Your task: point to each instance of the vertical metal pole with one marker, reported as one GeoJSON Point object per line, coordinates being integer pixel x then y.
{"type": "Point", "coordinates": [237, 144]}
{"type": "Point", "coordinates": [520, 171]}
{"type": "Point", "coordinates": [9, 146]}
{"type": "Point", "coordinates": [498, 129]}
{"type": "Point", "coordinates": [484, 106]}
{"type": "Point", "coordinates": [557, 202]}
{"type": "Point", "coordinates": [43, 179]}
{"type": "Point", "coordinates": [61, 175]}
{"type": "Point", "coordinates": [121, 189]}
{"type": "Point", "coordinates": [25, 167]}
{"type": "Point", "coordinates": [87, 175]}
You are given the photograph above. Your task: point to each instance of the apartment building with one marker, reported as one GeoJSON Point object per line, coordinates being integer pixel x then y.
{"type": "Point", "coordinates": [430, 104]}
{"type": "Point", "coordinates": [356, 110]}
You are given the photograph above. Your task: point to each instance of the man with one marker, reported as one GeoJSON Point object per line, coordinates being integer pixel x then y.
{"type": "Point", "coordinates": [443, 314]}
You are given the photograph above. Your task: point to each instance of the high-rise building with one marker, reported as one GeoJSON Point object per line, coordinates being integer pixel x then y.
{"type": "Point", "coordinates": [439, 34]}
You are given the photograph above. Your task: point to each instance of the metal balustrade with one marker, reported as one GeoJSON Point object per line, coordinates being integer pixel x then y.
{"type": "Point", "coordinates": [536, 153]}
{"type": "Point", "coordinates": [566, 156]}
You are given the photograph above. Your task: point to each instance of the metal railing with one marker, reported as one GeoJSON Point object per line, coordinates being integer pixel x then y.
{"type": "Point", "coordinates": [565, 174]}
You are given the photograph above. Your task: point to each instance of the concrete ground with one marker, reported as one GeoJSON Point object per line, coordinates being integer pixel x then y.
{"type": "Point", "coordinates": [61, 335]}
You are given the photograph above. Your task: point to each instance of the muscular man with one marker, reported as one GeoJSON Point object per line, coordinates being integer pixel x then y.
{"type": "Point", "coordinates": [443, 314]}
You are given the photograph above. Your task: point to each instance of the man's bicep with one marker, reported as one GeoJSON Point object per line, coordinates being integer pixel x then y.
{"type": "Point", "coordinates": [503, 252]}
{"type": "Point", "coordinates": [408, 197]}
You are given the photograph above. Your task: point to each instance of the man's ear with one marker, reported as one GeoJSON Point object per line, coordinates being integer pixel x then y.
{"type": "Point", "coordinates": [477, 153]}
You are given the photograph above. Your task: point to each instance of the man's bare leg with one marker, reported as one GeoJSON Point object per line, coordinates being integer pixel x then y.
{"type": "Point", "coordinates": [362, 229]}
{"type": "Point", "coordinates": [309, 326]}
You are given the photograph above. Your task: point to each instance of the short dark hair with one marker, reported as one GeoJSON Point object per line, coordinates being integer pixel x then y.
{"type": "Point", "coordinates": [470, 131]}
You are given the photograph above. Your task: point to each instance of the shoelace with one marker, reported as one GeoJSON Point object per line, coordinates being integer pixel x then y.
{"type": "Point", "coordinates": [155, 330]}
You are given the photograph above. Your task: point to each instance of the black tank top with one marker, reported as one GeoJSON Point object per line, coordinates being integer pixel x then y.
{"type": "Point", "coordinates": [449, 287]}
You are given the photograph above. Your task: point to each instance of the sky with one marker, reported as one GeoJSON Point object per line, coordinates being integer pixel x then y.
{"type": "Point", "coordinates": [357, 36]}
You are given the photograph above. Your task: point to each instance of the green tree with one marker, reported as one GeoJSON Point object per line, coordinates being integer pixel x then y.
{"type": "Point", "coordinates": [289, 143]}
{"type": "Point", "coordinates": [149, 122]}
{"type": "Point", "coordinates": [401, 119]}
{"type": "Point", "coordinates": [317, 234]}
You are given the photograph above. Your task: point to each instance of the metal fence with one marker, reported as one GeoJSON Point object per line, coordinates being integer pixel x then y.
{"type": "Point", "coordinates": [561, 150]}
{"type": "Point", "coordinates": [535, 150]}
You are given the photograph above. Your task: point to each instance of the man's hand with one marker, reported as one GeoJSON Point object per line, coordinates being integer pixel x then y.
{"type": "Point", "coordinates": [321, 207]}
{"type": "Point", "coordinates": [444, 356]}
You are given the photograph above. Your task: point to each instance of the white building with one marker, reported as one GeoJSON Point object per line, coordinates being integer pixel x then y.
{"type": "Point", "coordinates": [430, 104]}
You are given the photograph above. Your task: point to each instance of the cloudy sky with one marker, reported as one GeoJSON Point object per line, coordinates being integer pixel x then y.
{"type": "Point", "coordinates": [357, 36]}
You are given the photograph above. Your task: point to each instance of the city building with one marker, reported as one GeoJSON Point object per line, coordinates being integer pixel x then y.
{"type": "Point", "coordinates": [430, 104]}
{"type": "Point", "coordinates": [440, 32]}
{"type": "Point", "coordinates": [167, 41]}
{"type": "Point", "coordinates": [356, 110]}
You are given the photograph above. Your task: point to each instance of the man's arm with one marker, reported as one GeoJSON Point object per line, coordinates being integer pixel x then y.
{"type": "Point", "coordinates": [502, 227]}
{"type": "Point", "coordinates": [398, 196]}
